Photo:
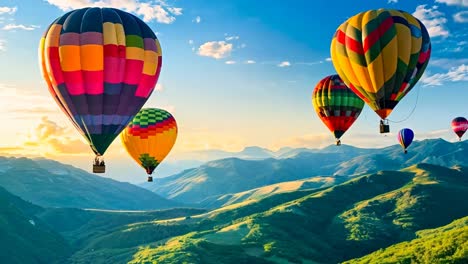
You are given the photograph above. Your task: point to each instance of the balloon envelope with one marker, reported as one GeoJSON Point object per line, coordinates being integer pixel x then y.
{"type": "Point", "coordinates": [405, 137]}
{"type": "Point", "coordinates": [149, 137]}
{"type": "Point", "coordinates": [101, 65]}
{"type": "Point", "coordinates": [459, 126]}
{"type": "Point", "coordinates": [380, 55]}
{"type": "Point", "coordinates": [336, 105]}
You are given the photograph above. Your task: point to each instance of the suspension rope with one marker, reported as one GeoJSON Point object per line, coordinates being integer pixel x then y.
{"type": "Point", "coordinates": [412, 111]}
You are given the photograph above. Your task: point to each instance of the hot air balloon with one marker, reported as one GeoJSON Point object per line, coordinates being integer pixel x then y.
{"type": "Point", "coordinates": [101, 65]}
{"type": "Point", "coordinates": [149, 137]}
{"type": "Point", "coordinates": [405, 137]}
{"type": "Point", "coordinates": [459, 126]}
{"type": "Point", "coordinates": [380, 55]}
{"type": "Point", "coordinates": [336, 105]}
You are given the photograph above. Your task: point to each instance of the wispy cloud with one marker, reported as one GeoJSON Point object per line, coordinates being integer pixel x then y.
{"type": "Point", "coordinates": [461, 17]}
{"type": "Point", "coordinates": [230, 62]}
{"type": "Point", "coordinates": [328, 59]}
{"type": "Point", "coordinates": [229, 38]}
{"type": "Point", "coordinates": [284, 64]}
{"type": "Point", "coordinates": [446, 63]}
{"type": "Point", "coordinates": [433, 19]}
{"type": "Point", "coordinates": [215, 49]}
{"type": "Point", "coordinates": [159, 87]}
{"type": "Point", "coordinates": [453, 2]}
{"type": "Point", "coordinates": [392, 1]}
{"type": "Point", "coordinates": [19, 26]}
{"type": "Point", "coordinates": [7, 10]}
{"type": "Point", "coordinates": [455, 74]}
{"type": "Point", "coordinates": [2, 45]}
{"type": "Point", "coordinates": [160, 11]}
{"type": "Point", "coordinates": [249, 62]}
{"type": "Point", "coordinates": [197, 20]}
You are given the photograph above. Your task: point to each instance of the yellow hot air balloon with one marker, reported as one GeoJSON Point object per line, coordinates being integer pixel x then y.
{"type": "Point", "coordinates": [149, 137]}
{"type": "Point", "coordinates": [380, 55]}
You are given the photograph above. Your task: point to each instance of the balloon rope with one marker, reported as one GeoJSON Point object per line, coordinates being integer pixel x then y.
{"type": "Point", "coordinates": [412, 111]}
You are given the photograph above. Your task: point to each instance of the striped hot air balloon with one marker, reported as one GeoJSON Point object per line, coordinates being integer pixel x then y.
{"type": "Point", "coordinates": [459, 126]}
{"type": "Point", "coordinates": [101, 65]}
{"type": "Point", "coordinates": [405, 137]}
{"type": "Point", "coordinates": [380, 55]}
{"type": "Point", "coordinates": [149, 137]}
{"type": "Point", "coordinates": [336, 105]}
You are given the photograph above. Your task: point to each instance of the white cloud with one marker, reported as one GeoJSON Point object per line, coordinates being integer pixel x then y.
{"type": "Point", "coordinates": [230, 62]}
{"type": "Point", "coordinates": [190, 42]}
{"type": "Point", "coordinates": [328, 59]}
{"type": "Point", "coordinates": [161, 12]}
{"type": "Point", "coordinates": [453, 2]}
{"type": "Point", "coordinates": [433, 19]}
{"type": "Point", "coordinates": [461, 17]}
{"type": "Point", "coordinates": [284, 64]}
{"type": "Point", "coordinates": [159, 87]}
{"type": "Point", "coordinates": [20, 26]}
{"type": "Point", "coordinates": [7, 10]}
{"type": "Point", "coordinates": [447, 64]}
{"type": "Point", "coordinates": [249, 62]}
{"type": "Point", "coordinates": [392, 1]}
{"type": "Point", "coordinates": [455, 74]}
{"type": "Point", "coordinates": [232, 38]}
{"type": "Point", "coordinates": [2, 45]}
{"type": "Point", "coordinates": [215, 49]}
{"type": "Point", "coordinates": [175, 10]}
{"type": "Point", "coordinates": [197, 20]}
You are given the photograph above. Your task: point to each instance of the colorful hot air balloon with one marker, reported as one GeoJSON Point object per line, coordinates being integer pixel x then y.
{"type": "Point", "coordinates": [405, 137]}
{"type": "Point", "coordinates": [336, 105]}
{"type": "Point", "coordinates": [459, 126]}
{"type": "Point", "coordinates": [149, 137]}
{"type": "Point", "coordinates": [380, 55]}
{"type": "Point", "coordinates": [101, 65]}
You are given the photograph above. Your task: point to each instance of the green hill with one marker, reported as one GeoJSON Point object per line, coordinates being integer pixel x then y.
{"type": "Point", "coordinates": [269, 190]}
{"type": "Point", "coordinates": [24, 238]}
{"type": "Point", "coordinates": [80, 227]}
{"type": "Point", "coordinates": [52, 184]}
{"type": "Point", "coordinates": [208, 183]}
{"type": "Point", "coordinates": [326, 226]}
{"type": "Point", "coordinates": [447, 244]}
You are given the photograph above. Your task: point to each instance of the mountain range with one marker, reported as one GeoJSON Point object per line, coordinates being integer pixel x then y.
{"type": "Point", "coordinates": [337, 204]}
{"type": "Point", "coordinates": [232, 176]}
{"type": "Point", "coordinates": [52, 184]}
{"type": "Point", "coordinates": [327, 225]}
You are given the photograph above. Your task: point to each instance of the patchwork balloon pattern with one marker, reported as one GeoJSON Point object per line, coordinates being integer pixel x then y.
{"type": "Point", "coordinates": [336, 105]}
{"type": "Point", "coordinates": [101, 65]}
{"type": "Point", "coordinates": [149, 137]}
{"type": "Point", "coordinates": [380, 55]}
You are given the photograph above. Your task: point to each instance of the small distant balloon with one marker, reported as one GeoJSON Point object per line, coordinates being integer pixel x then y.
{"type": "Point", "coordinates": [459, 126]}
{"type": "Point", "coordinates": [405, 137]}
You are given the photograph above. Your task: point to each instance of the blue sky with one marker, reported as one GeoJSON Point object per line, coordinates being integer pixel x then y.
{"type": "Point", "coordinates": [235, 73]}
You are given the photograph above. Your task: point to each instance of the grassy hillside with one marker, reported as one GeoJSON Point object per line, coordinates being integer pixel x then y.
{"type": "Point", "coordinates": [231, 176]}
{"type": "Point", "coordinates": [269, 190]}
{"type": "Point", "coordinates": [81, 227]}
{"type": "Point", "coordinates": [327, 226]}
{"type": "Point", "coordinates": [51, 184]}
{"type": "Point", "coordinates": [24, 238]}
{"type": "Point", "coordinates": [447, 244]}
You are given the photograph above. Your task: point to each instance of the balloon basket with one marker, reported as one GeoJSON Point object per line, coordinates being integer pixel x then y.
{"type": "Point", "coordinates": [150, 179]}
{"type": "Point", "coordinates": [99, 168]}
{"type": "Point", "coordinates": [384, 127]}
